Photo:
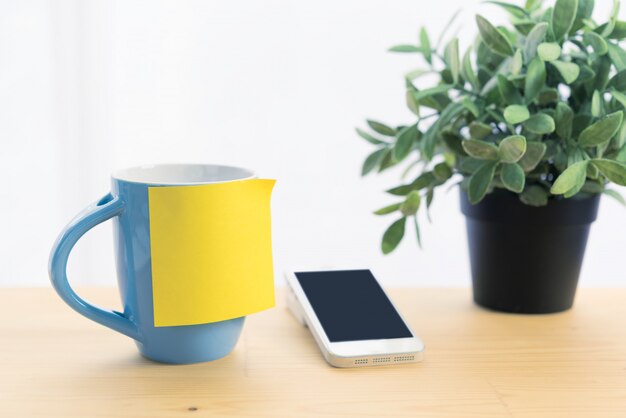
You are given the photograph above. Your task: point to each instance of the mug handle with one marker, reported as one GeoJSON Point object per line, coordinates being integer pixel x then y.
{"type": "Point", "coordinates": [96, 213]}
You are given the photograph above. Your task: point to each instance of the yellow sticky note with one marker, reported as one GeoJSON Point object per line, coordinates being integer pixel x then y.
{"type": "Point", "coordinates": [211, 251]}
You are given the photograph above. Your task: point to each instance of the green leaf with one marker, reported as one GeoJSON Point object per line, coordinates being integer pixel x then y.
{"type": "Point", "coordinates": [615, 195]}
{"type": "Point", "coordinates": [479, 130]}
{"type": "Point", "coordinates": [479, 181]}
{"type": "Point", "coordinates": [596, 104]}
{"type": "Point", "coordinates": [601, 131]}
{"type": "Point", "coordinates": [592, 173]}
{"type": "Point", "coordinates": [621, 155]}
{"type": "Point", "coordinates": [412, 75]}
{"type": "Point", "coordinates": [597, 42]}
{"type": "Point", "coordinates": [449, 157]}
{"type": "Point", "coordinates": [401, 190]}
{"type": "Point", "coordinates": [411, 103]}
{"type": "Point", "coordinates": [468, 165]}
{"type": "Point", "coordinates": [488, 89]}
{"type": "Point", "coordinates": [421, 94]}
{"type": "Point", "coordinates": [545, 15]}
{"type": "Point", "coordinates": [471, 106]}
{"type": "Point", "coordinates": [405, 48]}
{"type": "Point", "coordinates": [411, 204]}
{"type": "Point", "coordinates": [563, 16]}
{"type": "Point", "coordinates": [612, 170]}
{"type": "Point", "coordinates": [549, 51]}
{"type": "Point", "coordinates": [564, 117]}
{"type": "Point", "coordinates": [533, 155]}
{"type": "Point", "coordinates": [512, 148]}
{"type": "Point", "coordinates": [618, 81]}
{"type": "Point", "coordinates": [388, 209]}
{"type": "Point", "coordinates": [513, 177]}
{"type": "Point", "coordinates": [517, 63]}
{"type": "Point", "coordinates": [586, 74]}
{"type": "Point", "coordinates": [571, 179]}
{"type": "Point", "coordinates": [532, 5]}
{"type": "Point", "coordinates": [406, 139]}
{"type": "Point", "coordinates": [425, 45]}
{"type": "Point", "coordinates": [612, 19]}
{"type": "Point", "coordinates": [381, 128]}
{"type": "Point", "coordinates": [534, 38]}
{"type": "Point", "coordinates": [535, 79]}
{"type": "Point", "coordinates": [369, 138]}
{"type": "Point", "coordinates": [547, 96]}
{"type": "Point", "coordinates": [387, 161]}
{"type": "Point", "coordinates": [591, 186]}
{"type": "Point", "coordinates": [429, 140]}
{"type": "Point", "coordinates": [393, 235]}
{"type": "Point", "coordinates": [617, 56]}
{"type": "Point", "coordinates": [618, 32]}
{"type": "Point", "coordinates": [585, 9]}
{"type": "Point", "coordinates": [575, 155]}
{"type": "Point", "coordinates": [620, 143]}
{"type": "Point", "coordinates": [508, 91]}
{"type": "Point", "coordinates": [430, 195]}
{"type": "Point", "coordinates": [534, 196]}
{"type": "Point", "coordinates": [417, 230]}
{"type": "Point", "coordinates": [523, 26]}
{"type": "Point", "coordinates": [493, 38]}
{"type": "Point", "coordinates": [442, 171]}
{"type": "Point", "coordinates": [515, 114]}
{"type": "Point", "coordinates": [468, 72]}
{"type": "Point", "coordinates": [512, 9]}
{"type": "Point", "coordinates": [575, 190]}
{"type": "Point", "coordinates": [423, 180]}
{"type": "Point", "coordinates": [480, 150]}
{"type": "Point", "coordinates": [568, 70]}
{"type": "Point", "coordinates": [372, 161]}
{"type": "Point", "coordinates": [620, 97]}
{"type": "Point", "coordinates": [452, 59]}
{"type": "Point", "coordinates": [540, 124]}
{"type": "Point", "coordinates": [601, 68]}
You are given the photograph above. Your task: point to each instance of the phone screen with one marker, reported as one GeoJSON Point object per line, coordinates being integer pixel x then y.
{"type": "Point", "coordinates": [351, 306]}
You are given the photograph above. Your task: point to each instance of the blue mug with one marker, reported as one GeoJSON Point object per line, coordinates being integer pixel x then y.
{"type": "Point", "coordinates": [128, 205]}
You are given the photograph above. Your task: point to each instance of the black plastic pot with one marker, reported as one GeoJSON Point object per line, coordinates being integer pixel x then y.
{"type": "Point", "coordinates": [527, 259]}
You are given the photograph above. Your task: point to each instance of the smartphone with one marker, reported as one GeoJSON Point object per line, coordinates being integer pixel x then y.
{"type": "Point", "coordinates": [352, 319]}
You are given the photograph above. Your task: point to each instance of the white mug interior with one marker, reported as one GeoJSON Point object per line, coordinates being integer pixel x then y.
{"type": "Point", "coordinates": [182, 174]}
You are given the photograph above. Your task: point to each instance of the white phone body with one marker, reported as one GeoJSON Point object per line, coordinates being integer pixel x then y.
{"type": "Point", "coordinates": [351, 353]}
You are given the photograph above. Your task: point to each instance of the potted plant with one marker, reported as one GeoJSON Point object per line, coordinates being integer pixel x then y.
{"type": "Point", "coordinates": [529, 121]}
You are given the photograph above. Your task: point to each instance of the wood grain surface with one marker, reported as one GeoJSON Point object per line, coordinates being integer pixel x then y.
{"type": "Point", "coordinates": [55, 363]}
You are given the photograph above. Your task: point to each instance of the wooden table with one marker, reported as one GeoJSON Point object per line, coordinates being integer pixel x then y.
{"type": "Point", "coordinates": [55, 363]}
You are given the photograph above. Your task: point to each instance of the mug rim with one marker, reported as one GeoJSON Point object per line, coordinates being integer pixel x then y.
{"type": "Point", "coordinates": [125, 174]}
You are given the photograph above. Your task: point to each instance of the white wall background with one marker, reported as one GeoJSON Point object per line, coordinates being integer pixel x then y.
{"type": "Point", "coordinates": [278, 86]}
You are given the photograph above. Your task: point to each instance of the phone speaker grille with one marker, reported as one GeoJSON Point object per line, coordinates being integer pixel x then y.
{"type": "Point", "coordinates": [380, 360]}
